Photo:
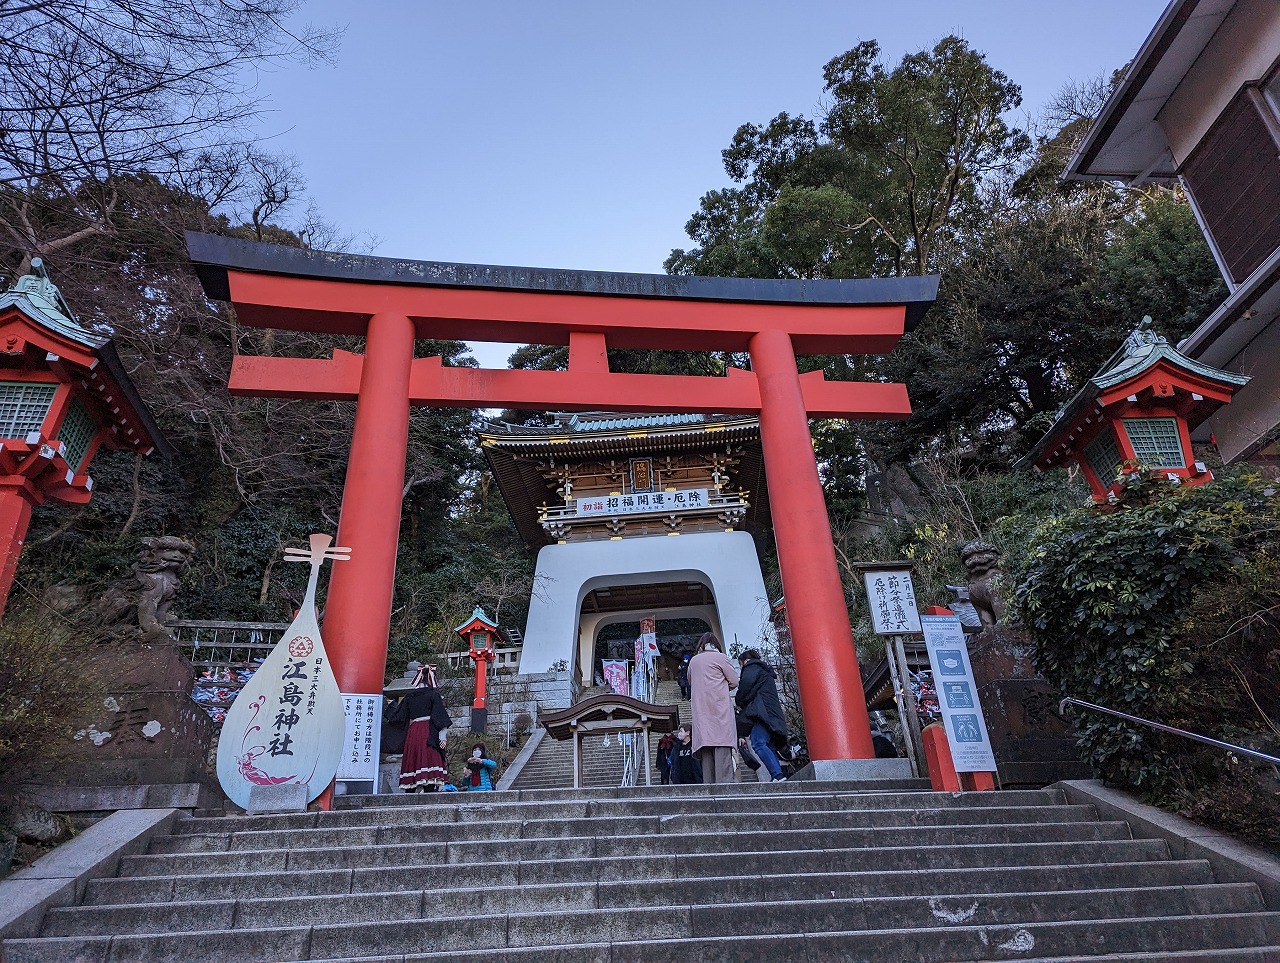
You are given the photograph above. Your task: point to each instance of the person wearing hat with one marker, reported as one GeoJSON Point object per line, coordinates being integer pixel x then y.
{"type": "Point", "coordinates": [422, 767]}
{"type": "Point", "coordinates": [682, 677]}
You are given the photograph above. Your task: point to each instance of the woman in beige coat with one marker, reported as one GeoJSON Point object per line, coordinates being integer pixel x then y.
{"type": "Point", "coordinates": [712, 675]}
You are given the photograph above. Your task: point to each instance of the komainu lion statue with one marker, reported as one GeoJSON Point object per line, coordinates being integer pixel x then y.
{"type": "Point", "coordinates": [982, 561]}
{"type": "Point", "coordinates": [144, 600]}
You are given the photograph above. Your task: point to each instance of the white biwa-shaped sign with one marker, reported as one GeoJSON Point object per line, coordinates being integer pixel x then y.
{"type": "Point", "coordinates": [286, 726]}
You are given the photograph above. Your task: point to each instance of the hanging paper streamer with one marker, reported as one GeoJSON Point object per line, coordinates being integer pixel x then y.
{"type": "Point", "coordinates": [286, 725]}
{"type": "Point", "coordinates": [644, 682]}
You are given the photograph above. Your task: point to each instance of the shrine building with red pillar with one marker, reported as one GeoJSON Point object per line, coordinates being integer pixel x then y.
{"type": "Point", "coordinates": [1139, 411]}
{"type": "Point", "coordinates": [64, 395]}
{"type": "Point", "coordinates": [635, 516]}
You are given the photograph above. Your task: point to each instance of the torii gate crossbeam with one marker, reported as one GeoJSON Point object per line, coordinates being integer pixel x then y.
{"type": "Point", "coordinates": [391, 303]}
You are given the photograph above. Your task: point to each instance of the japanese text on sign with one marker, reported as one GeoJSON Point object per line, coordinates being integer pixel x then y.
{"type": "Point", "coordinates": [643, 502]}
{"type": "Point", "coordinates": [891, 599]}
{"type": "Point", "coordinates": [363, 737]}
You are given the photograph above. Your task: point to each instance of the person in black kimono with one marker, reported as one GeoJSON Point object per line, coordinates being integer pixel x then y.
{"type": "Point", "coordinates": [422, 768]}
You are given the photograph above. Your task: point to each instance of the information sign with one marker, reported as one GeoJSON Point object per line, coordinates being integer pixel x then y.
{"type": "Point", "coordinates": [285, 726]}
{"type": "Point", "coordinates": [891, 599]}
{"type": "Point", "coordinates": [957, 694]}
{"type": "Point", "coordinates": [363, 738]}
{"type": "Point", "coordinates": [638, 502]}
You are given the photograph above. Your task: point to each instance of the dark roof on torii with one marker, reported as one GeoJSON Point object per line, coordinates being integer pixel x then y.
{"type": "Point", "coordinates": [509, 449]}
{"type": "Point", "coordinates": [215, 255]}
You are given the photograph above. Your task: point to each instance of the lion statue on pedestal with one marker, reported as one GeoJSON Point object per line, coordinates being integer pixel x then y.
{"type": "Point", "coordinates": [143, 601]}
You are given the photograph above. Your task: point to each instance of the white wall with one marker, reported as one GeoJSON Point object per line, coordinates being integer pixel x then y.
{"type": "Point", "coordinates": [724, 561]}
{"type": "Point", "coordinates": [1241, 51]}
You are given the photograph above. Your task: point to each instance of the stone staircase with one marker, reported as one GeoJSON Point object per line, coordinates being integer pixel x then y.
{"type": "Point", "coordinates": [785, 872]}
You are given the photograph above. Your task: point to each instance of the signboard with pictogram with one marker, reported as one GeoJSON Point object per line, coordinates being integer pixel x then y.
{"type": "Point", "coordinates": [957, 694]}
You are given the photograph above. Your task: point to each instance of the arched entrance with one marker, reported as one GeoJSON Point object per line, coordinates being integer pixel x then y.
{"type": "Point", "coordinates": [729, 592]}
{"type": "Point", "coordinates": [665, 602]}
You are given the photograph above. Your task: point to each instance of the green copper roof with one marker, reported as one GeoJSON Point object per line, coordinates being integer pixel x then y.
{"type": "Point", "coordinates": [589, 422]}
{"type": "Point", "coordinates": [39, 299]}
{"type": "Point", "coordinates": [478, 613]}
{"type": "Point", "coordinates": [1144, 348]}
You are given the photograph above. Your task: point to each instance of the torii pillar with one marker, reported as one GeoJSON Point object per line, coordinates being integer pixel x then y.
{"type": "Point", "coordinates": [392, 302]}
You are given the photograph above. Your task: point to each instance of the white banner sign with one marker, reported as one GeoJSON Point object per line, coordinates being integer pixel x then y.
{"type": "Point", "coordinates": [285, 726]}
{"type": "Point", "coordinates": [957, 694]}
{"type": "Point", "coordinates": [892, 600]}
{"type": "Point", "coordinates": [642, 502]}
{"type": "Point", "coordinates": [363, 739]}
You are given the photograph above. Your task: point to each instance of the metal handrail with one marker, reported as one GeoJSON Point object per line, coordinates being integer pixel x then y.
{"type": "Point", "coordinates": [1177, 732]}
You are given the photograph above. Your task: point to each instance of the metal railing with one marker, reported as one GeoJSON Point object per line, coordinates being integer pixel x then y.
{"type": "Point", "coordinates": [1218, 743]}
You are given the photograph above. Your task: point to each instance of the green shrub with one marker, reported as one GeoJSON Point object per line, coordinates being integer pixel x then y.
{"type": "Point", "coordinates": [1165, 609]}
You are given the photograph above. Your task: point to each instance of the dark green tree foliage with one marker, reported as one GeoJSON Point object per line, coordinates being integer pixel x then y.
{"type": "Point", "coordinates": [1166, 610]}
{"type": "Point", "coordinates": [913, 169]}
{"type": "Point", "coordinates": [251, 475]}
{"type": "Point", "coordinates": [874, 187]}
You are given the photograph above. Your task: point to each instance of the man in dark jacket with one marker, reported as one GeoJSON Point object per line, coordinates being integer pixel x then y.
{"type": "Point", "coordinates": [758, 701]}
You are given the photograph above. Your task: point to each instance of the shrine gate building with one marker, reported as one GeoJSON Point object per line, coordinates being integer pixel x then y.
{"type": "Point", "coordinates": [636, 516]}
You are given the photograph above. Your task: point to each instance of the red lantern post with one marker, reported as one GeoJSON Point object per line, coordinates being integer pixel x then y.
{"type": "Point", "coordinates": [480, 633]}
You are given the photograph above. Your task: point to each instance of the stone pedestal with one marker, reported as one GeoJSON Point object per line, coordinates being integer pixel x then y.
{"type": "Point", "coordinates": [148, 730]}
{"type": "Point", "coordinates": [857, 770]}
{"type": "Point", "coordinates": [1033, 744]}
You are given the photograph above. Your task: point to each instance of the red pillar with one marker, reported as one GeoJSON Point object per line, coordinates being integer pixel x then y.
{"type": "Point", "coordinates": [357, 614]}
{"type": "Point", "coordinates": [15, 518]}
{"type": "Point", "coordinates": [835, 712]}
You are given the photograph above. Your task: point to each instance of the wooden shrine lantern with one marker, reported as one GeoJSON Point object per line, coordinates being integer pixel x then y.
{"type": "Point", "coordinates": [63, 395]}
{"type": "Point", "coordinates": [480, 633]}
{"type": "Point", "coordinates": [1137, 413]}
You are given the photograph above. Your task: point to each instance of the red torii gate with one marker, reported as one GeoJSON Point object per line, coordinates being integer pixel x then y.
{"type": "Point", "coordinates": [391, 302]}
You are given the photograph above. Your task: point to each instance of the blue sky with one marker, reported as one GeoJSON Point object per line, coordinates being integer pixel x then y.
{"type": "Point", "coordinates": [581, 135]}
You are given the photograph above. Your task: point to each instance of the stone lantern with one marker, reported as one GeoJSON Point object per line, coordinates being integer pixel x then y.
{"type": "Point", "coordinates": [1139, 410]}
{"type": "Point", "coordinates": [480, 633]}
{"type": "Point", "coordinates": [64, 394]}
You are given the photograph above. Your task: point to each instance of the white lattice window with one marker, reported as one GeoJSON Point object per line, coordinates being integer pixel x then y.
{"type": "Point", "coordinates": [1103, 456]}
{"type": "Point", "coordinates": [23, 407]}
{"type": "Point", "coordinates": [1156, 442]}
{"type": "Point", "coordinates": [76, 433]}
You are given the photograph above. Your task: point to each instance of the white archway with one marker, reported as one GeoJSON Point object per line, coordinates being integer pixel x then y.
{"type": "Point", "coordinates": [724, 561]}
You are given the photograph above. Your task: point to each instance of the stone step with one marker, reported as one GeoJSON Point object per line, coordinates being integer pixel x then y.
{"type": "Point", "coordinates": [678, 934]}
{"type": "Point", "coordinates": [653, 892]}
{"type": "Point", "coordinates": [375, 844]}
{"type": "Point", "coordinates": [404, 829]}
{"type": "Point", "coordinates": [600, 953]}
{"type": "Point", "coordinates": [455, 808]}
{"type": "Point", "coordinates": [724, 919]}
{"type": "Point", "coordinates": [871, 794]}
{"type": "Point", "coordinates": [436, 865]}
